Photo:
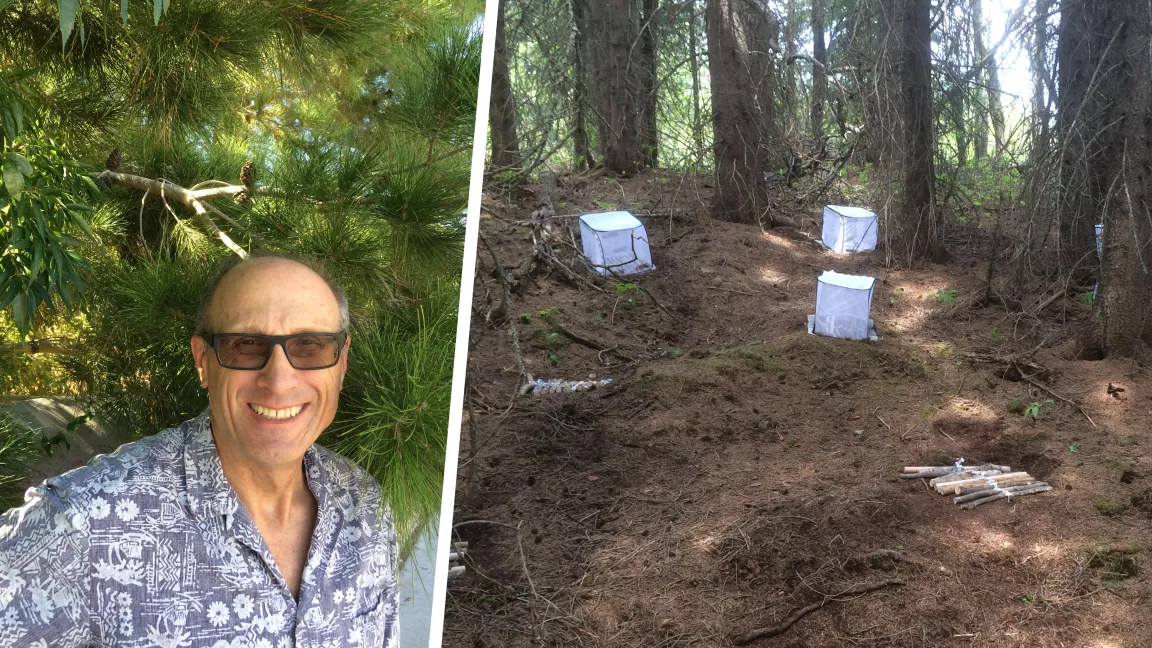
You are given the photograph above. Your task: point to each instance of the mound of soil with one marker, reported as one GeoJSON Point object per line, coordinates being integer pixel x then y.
{"type": "Point", "coordinates": [738, 469]}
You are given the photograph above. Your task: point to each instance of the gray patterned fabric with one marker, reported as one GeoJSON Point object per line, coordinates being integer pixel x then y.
{"type": "Point", "coordinates": [150, 546]}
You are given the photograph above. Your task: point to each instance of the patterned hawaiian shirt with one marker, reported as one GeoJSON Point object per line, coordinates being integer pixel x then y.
{"type": "Point", "coordinates": [150, 546]}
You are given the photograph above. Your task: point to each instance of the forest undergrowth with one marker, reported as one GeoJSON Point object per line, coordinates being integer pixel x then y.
{"type": "Point", "coordinates": [739, 473]}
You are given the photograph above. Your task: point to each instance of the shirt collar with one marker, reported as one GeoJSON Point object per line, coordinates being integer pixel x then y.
{"type": "Point", "coordinates": [209, 492]}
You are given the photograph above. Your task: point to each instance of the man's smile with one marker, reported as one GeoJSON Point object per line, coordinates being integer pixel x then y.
{"type": "Point", "coordinates": [276, 414]}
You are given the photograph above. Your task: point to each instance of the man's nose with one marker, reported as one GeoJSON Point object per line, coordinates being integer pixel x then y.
{"type": "Point", "coordinates": [278, 372]}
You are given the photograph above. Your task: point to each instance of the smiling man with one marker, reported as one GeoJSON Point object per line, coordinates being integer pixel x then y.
{"type": "Point", "coordinates": [233, 529]}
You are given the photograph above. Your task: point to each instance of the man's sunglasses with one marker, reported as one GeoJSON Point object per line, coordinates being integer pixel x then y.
{"type": "Point", "coordinates": [304, 350]}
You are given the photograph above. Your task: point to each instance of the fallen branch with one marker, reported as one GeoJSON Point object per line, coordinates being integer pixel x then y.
{"type": "Point", "coordinates": [1048, 389]}
{"type": "Point", "coordinates": [591, 344]}
{"type": "Point", "coordinates": [764, 633]}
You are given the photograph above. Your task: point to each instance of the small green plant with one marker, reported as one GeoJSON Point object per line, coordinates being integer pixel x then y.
{"type": "Point", "coordinates": [945, 296]}
{"type": "Point", "coordinates": [996, 336]}
{"type": "Point", "coordinates": [1016, 407]}
{"type": "Point", "coordinates": [1033, 410]}
{"type": "Point", "coordinates": [554, 359]}
{"type": "Point", "coordinates": [550, 311]}
{"type": "Point", "coordinates": [604, 205]}
{"type": "Point", "coordinates": [48, 444]}
{"type": "Point", "coordinates": [526, 317]}
{"type": "Point", "coordinates": [745, 242]}
{"type": "Point", "coordinates": [1108, 508]}
{"type": "Point", "coordinates": [1088, 298]}
{"type": "Point", "coordinates": [1031, 599]}
{"type": "Point", "coordinates": [674, 352]}
{"type": "Point", "coordinates": [622, 288]}
{"type": "Point", "coordinates": [1074, 448]}
{"type": "Point", "coordinates": [661, 180]}
{"type": "Point", "coordinates": [895, 293]}
{"type": "Point", "coordinates": [599, 317]}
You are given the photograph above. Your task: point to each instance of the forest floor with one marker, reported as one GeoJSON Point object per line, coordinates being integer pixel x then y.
{"type": "Point", "coordinates": [739, 469]}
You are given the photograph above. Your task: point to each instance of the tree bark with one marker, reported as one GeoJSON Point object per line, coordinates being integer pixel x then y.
{"type": "Point", "coordinates": [1041, 116]}
{"type": "Point", "coordinates": [616, 84]}
{"type": "Point", "coordinates": [1086, 34]}
{"type": "Point", "coordinates": [649, 136]}
{"type": "Point", "coordinates": [1125, 296]}
{"type": "Point", "coordinates": [916, 231]}
{"type": "Point", "coordinates": [582, 148]}
{"type": "Point", "coordinates": [502, 111]}
{"type": "Point", "coordinates": [738, 81]}
{"type": "Point", "coordinates": [697, 123]}
{"type": "Point", "coordinates": [989, 76]}
{"type": "Point", "coordinates": [819, 73]}
{"type": "Point", "coordinates": [788, 92]}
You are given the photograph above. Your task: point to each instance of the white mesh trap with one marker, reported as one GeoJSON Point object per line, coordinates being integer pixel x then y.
{"type": "Point", "coordinates": [849, 229]}
{"type": "Point", "coordinates": [842, 306]}
{"type": "Point", "coordinates": [615, 241]}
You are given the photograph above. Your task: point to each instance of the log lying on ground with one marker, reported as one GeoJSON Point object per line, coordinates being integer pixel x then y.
{"type": "Point", "coordinates": [965, 475]}
{"type": "Point", "coordinates": [980, 493]}
{"type": "Point", "coordinates": [928, 472]}
{"type": "Point", "coordinates": [1025, 490]}
{"type": "Point", "coordinates": [1010, 479]}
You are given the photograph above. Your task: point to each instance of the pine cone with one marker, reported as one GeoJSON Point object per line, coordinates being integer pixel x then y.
{"type": "Point", "coordinates": [244, 198]}
{"type": "Point", "coordinates": [114, 160]}
{"type": "Point", "coordinates": [248, 175]}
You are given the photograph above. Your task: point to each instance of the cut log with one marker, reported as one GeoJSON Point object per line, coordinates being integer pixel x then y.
{"type": "Point", "coordinates": [975, 494]}
{"type": "Point", "coordinates": [1002, 479]}
{"type": "Point", "coordinates": [964, 476]}
{"type": "Point", "coordinates": [1035, 488]}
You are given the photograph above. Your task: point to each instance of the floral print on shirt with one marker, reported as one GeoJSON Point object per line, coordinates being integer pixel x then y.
{"type": "Point", "coordinates": [150, 546]}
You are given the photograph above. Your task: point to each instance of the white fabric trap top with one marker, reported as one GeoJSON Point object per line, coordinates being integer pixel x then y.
{"type": "Point", "coordinates": [615, 241]}
{"type": "Point", "coordinates": [849, 229]}
{"type": "Point", "coordinates": [842, 306]}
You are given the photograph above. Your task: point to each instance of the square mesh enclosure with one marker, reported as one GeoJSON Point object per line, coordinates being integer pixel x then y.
{"type": "Point", "coordinates": [615, 241]}
{"type": "Point", "coordinates": [849, 229]}
{"type": "Point", "coordinates": [842, 306]}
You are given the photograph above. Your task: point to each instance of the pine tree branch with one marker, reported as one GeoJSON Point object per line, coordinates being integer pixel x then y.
{"type": "Point", "coordinates": [189, 199]}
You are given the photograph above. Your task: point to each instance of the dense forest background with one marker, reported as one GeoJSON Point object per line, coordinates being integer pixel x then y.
{"type": "Point", "coordinates": [898, 101]}
{"type": "Point", "coordinates": [141, 143]}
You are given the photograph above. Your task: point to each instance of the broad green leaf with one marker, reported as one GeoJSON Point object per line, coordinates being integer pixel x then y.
{"type": "Point", "coordinates": [68, 11]}
{"type": "Point", "coordinates": [21, 163]}
{"type": "Point", "coordinates": [20, 313]}
{"type": "Point", "coordinates": [37, 261]}
{"type": "Point", "coordinates": [4, 4]}
{"type": "Point", "coordinates": [13, 181]}
{"type": "Point", "coordinates": [157, 11]}
{"type": "Point", "coordinates": [124, 11]}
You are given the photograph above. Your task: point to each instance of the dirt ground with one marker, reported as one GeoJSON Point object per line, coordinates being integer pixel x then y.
{"type": "Point", "coordinates": [739, 469]}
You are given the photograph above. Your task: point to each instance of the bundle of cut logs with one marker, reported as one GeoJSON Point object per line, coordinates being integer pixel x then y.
{"type": "Point", "coordinates": [976, 485]}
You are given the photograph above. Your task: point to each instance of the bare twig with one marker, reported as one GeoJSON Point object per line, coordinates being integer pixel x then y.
{"type": "Point", "coordinates": [764, 633]}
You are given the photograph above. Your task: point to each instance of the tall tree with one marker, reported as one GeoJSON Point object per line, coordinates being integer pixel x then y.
{"type": "Point", "coordinates": [1105, 121]}
{"type": "Point", "coordinates": [741, 93]}
{"type": "Point", "coordinates": [694, 62]}
{"type": "Point", "coordinates": [989, 75]}
{"type": "Point", "coordinates": [502, 112]}
{"type": "Point", "coordinates": [819, 72]}
{"type": "Point", "coordinates": [581, 146]}
{"type": "Point", "coordinates": [915, 232]}
{"type": "Point", "coordinates": [649, 136]}
{"type": "Point", "coordinates": [1041, 82]}
{"type": "Point", "coordinates": [611, 39]}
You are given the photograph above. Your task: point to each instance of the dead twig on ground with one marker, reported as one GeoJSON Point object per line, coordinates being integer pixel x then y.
{"type": "Point", "coordinates": [764, 633]}
{"type": "Point", "coordinates": [1039, 385]}
{"type": "Point", "coordinates": [591, 344]}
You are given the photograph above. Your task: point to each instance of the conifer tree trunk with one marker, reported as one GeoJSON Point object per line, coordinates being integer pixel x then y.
{"type": "Point", "coordinates": [582, 149]}
{"type": "Point", "coordinates": [1041, 79]}
{"type": "Point", "coordinates": [502, 112]}
{"type": "Point", "coordinates": [611, 38]}
{"type": "Point", "coordinates": [697, 123]}
{"type": "Point", "coordinates": [819, 72]}
{"type": "Point", "coordinates": [649, 136]}
{"type": "Point", "coordinates": [915, 233]}
{"type": "Point", "coordinates": [737, 80]}
{"type": "Point", "coordinates": [990, 75]}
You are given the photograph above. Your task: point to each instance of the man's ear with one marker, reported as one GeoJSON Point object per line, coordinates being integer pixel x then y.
{"type": "Point", "coordinates": [200, 351]}
{"type": "Point", "coordinates": [344, 361]}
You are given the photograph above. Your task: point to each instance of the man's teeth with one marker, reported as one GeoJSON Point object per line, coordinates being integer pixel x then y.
{"type": "Point", "coordinates": [285, 413]}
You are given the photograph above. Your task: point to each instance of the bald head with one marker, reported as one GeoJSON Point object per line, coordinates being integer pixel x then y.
{"type": "Point", "coordinates": [260, 279]}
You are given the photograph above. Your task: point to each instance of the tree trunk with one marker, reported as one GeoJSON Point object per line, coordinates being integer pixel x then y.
{"type": "Point", "coordinates": [616, 84]}
{"type": "Point", "coordinates": [502, 111]}
{"type": "Point", "coordinates": [697, 124]}
{"type": "Point", "coordinates": [989, 77]}
{"type": "Point", "coordinates": [788, 92]}
{"type": "Point", "coordinates": [915, 234]}
{"type": "Point", "coordinates": [1084, 110]}
{"type": "Point", "coordinates": [649, 136]}
{"type": "Point", "coordinates": [737, 83]}
{"type": "Point", "coordinates": [1125, 92]}
{"type": "Point", "coordinates": [819, 73]}
{"type": "Point", "coordinates": [582, 150]}
{"type": "Point", "coordinates": [1041, 116]}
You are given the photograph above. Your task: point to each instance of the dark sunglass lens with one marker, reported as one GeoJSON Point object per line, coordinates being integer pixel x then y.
{"type": "Point", "coordinates": [242, 351]}
{"type": "Point", "coordinates": [313, 351]}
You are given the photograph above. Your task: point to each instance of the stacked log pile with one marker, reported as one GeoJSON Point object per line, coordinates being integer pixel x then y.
{"type": "Point", "coordinates": [976, 485]}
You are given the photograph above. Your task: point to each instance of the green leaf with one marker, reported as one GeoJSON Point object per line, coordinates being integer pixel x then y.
{"type": "Point", "coordinates": [13, 181]}
{"type": "Point", "coordinates": [37, 261]}
{"type": "Point", "coordinates": [68, 11]}
{"type": "Point", "coordinates": [4, 4]}
{"type": "Point", "coordinates": [157, 11]}
{"type": "Point", "coordinates": [21, 163]}
{"type": "Point", "coordinates": [20, 313]}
